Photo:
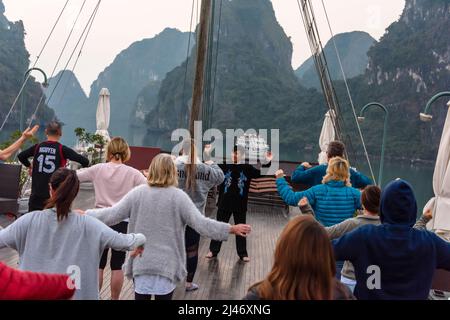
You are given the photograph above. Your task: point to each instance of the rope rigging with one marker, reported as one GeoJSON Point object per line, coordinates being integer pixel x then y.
{"type": "Point", "coordinates": [187, 60]}
{"type": "Point", "coordinates": [349, 93]}
{"type": "Point", "coordinates": [68, 62]}
{"type": "Point", "coordinates": [79, 54]}
{"type": "Point", "coordinates": [34, 65]}
{"type": "Point", "coordinates": [309, 21]}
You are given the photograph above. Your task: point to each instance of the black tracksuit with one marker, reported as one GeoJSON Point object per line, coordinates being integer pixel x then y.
{"type": "Point", "coordinates": [233, 200]}
{"type": "Point", "coordinates": [47, 157]}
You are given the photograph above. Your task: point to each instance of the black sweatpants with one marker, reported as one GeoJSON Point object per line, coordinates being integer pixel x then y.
{"type": "Point", "coordinates": [117, 257]}
{"type": "Point", "coordinates": [241, 242]}
{"type": "Point", "coordinates": [192, 241]}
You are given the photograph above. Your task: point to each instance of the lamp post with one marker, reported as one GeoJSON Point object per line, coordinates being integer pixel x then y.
{"type": "Point", "coordinates": [22, 107]}
{"type": "Point", "coordinates": [425, 116]}
{"type": "Point", "coordinates": [361, 118]}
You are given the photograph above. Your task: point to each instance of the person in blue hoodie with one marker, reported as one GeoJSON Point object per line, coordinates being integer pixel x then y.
{"type": "Point", "coordinates": [312, 176]}
{"type": "Point", "coordinates": [334, 201]}
{"type": "Point", "coordinates": [394, 261]}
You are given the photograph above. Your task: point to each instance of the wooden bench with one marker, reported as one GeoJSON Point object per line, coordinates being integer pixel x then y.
{"type": "Point", "coordinates": [9, 188]}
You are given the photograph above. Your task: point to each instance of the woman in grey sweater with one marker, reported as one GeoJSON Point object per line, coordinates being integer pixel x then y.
{"type": "Point", "coordinates": [161, 212]}
{"type": "Point", "coordinates": [196, 179]}
{"type": "Point", "coordinates": [58, 240]}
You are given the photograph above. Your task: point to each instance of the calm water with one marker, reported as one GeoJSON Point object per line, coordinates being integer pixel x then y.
{"type": "Point", "coordinates": [420, 177]}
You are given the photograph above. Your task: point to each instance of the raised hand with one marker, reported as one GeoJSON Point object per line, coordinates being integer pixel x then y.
{"type": "Point", "coordinates": [279, 174]}
{"type": "Point", "coordinates": [307, 165]}
{"type": "Point", "coordinates": [30, 132]}
{"type": "Point", "coordinates": [303, 202]}
{"type": "Point", "coordinates": [208, 149]}
{"type": "Point", "coordinates": [428, 214]}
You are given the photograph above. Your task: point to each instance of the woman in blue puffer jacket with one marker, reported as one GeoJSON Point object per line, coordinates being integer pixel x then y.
{"type": "Point", "coordinates": [333, 201]}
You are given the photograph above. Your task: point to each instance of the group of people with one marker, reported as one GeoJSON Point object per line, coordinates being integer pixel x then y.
{"type": "Point", "coordinates": [347, 243]}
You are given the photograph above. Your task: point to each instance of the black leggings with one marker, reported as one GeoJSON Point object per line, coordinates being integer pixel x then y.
{"type": "Point", "coordinates": [138, 296]}
{"type": "Point", "coordinates": [192, 241]}
{"type": "Point", "coordinates": [117, 257]}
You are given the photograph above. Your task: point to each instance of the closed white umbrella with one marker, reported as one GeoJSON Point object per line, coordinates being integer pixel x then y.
{"type": "Point", "coordinates": [326, 136]}
{"type": "Point", "coordinates": [440, 204]}
{"type": "Point", "coordinates": [103, 114]}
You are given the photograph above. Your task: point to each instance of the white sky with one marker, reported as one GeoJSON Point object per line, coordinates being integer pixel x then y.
{"type": "Point", "coordinates": [121, 22]}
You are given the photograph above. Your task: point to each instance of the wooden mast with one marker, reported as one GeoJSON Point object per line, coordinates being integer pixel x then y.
{"type": "Point", "coordinates": [202, 49]}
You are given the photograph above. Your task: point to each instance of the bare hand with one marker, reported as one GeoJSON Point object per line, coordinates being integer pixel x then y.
{"type": "Point", "coordinates": [80, 212]}
{"type": "Point", "coordinates": [207, 149]}
{"type": "Point", "coordinates": [428, 214]}
{"type": "Point", "coordinates": [279, 174]}
{"type": "Point", "coordinates": [269, 156]}
{"type": "Point", "coordinates": [30, 170]}
{"type": "Point", "coordinates": [307, 165]}
{"type": "Point", "coordinates": [30, 132]}
{"type": "Point", "coordinates": [303, 202]}
{"type": "Point", "coordinates": [242, 230]}
{"type": "Point", "coordinates": [137, 252]}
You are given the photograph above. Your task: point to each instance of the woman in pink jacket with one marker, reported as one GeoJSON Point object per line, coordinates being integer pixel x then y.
{"type": "Point", "coordinates": [112, 181]}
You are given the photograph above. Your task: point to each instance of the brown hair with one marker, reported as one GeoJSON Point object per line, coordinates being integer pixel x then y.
{"type": "Point", "coordinates": [335, 149]}
{"type": "Point", "coordinates": [162, 172]}
{"type": "Point", "coordinates": [304, 266]}
{"type": "Point", "coordinates": [54, 128]}
{"type": "Point", "coordinates": [370, 199]}
{"type": "Point", "coordinates": [338, 170]}
{"type": "Point", "coordinates": [65, 185]}
{"type": "Point", "coordinates": [118, 149]}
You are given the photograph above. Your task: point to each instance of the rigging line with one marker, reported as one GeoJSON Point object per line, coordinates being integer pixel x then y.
{"type": "Point", "coordinates": [65, 67]}
{"type": "Point", "coordinates": [68, 39]}
{"type": "Point", "coordinates": [311, 30]}
{"type": "Point", "coordinates": [34, 65]}
{"type": "Point", "coordinates": [79, 55]}
{"type": "Point", "coordinates": [208, 70]}
{"type": "Point", "coordinates": [216, 60]}
{"type": "Point", "coordinates": [187, 57]}
{"type": "Point", "coordinates": [348, 92]}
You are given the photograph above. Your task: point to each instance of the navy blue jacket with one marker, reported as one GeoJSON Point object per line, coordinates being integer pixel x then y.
{"type": "Point", "coordinates": [405, 257]}
{"type": "Point", "coordinates": [314, 176]}
{"type": "Point", "coordinates": [332, 203]}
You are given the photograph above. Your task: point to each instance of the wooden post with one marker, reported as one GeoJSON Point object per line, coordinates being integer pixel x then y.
{"type": "Point", "coordinates": [202, 48]}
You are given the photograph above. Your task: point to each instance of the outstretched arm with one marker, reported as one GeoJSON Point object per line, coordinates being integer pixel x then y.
{"type": "Point", "coordinates": [20, 285]}
{"type": "Point", "coordinates": [290, 197]}
{"type": "Point", "coordinates": [27, 134]}
{"type": "Point", "coordinates": [305, 174]}
{"type": "Point", "coordinates": [359, 180]}
{"type": "Point", "coordinates": [117, 213]}
{"type": "Point", "coordinates": [205, 226]}
{"type": "Point", "coordinates": [72, 155]}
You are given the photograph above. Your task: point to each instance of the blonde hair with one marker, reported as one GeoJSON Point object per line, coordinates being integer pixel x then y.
{"type": "Point", "coordinates": [338, 170]}
{"type": "Point", "coordinates": [190, 150]}
{"type": "Point", "coordinates": [118, 149]}
{"type": "Point", "coordinates": [162, 172]}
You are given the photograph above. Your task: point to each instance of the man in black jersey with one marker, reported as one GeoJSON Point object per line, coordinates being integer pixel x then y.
{"type": "Point", "coordinates": [233, 197]}
{"type": "Point", "coordinates": [48, 157]}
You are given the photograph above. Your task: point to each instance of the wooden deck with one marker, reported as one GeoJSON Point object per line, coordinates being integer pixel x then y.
{"type": "Point", "coordinates": [225, 278]}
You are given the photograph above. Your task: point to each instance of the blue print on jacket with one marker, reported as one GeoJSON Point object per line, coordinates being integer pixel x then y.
{"type": "Point", "coordinates": [228, 180]}
{"type": "Point", "coordinates": [241, 183]}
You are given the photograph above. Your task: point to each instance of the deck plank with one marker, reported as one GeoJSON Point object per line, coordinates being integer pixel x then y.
{"type": "Point", "coordinates": [224, 278]}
